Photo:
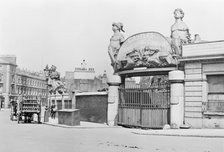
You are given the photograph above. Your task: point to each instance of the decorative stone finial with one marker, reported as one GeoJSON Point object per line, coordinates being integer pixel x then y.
{"type": "Point", "coordinates": [197, 38]}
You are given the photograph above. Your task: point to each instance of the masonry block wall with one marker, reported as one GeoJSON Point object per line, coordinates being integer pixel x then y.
{"type": "Point", "coordinates": [197, 113]}
{"type": "Point", "coordinates": [193, 94]}
{"type": "Point", "coordinates": [213, 116]}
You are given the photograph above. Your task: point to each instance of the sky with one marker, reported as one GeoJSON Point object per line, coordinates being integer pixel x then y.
{"type": "Point", "coordinates": [65, 32]}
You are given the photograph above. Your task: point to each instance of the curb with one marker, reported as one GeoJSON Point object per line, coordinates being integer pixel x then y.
{"type": "Point", "coordinates": [178, 135]}
{"type": "Point", "coordinates": [78, 127]}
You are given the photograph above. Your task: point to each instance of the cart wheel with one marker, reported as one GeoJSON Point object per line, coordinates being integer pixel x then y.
{"type": "Point", "coordinates": [25, 118]}
{"type": "Point", "coordinates": [29, 120]}
{"type": "Point", "coordinates": [11, 117]}
{"type": "Point", "coordinates": [18, 119]}
{"type": "Point", "coordinates": [38, 118]}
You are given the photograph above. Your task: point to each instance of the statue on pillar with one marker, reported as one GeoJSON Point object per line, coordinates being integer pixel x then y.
{"type": "Point", "coordinates": [115, 43]}
{"type": "Point", "coordinates": [179, 32]}
{"type": "Point", "coordinates": [53, 80]}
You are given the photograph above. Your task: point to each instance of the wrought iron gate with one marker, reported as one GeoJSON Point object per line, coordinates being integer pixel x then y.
{"type": "Point", "coordinates": [144, 107]}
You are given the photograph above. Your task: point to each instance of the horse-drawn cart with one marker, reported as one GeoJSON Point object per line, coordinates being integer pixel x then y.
{"type": "Point", "coordinates": [27, 108]}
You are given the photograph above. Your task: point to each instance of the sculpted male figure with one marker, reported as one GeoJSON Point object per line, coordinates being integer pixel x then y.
{"type": "Point", "coordinates": [54, 81]}
{"type": "Point", "coordinates": [115, 42]}
{"type": "Point", "coordinates": [179, 32]}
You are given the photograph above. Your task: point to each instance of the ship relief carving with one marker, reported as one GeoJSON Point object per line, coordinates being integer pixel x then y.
{"type": "Point", "coordinates": [147, 57]}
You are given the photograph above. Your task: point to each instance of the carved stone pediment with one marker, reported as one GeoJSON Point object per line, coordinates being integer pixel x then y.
{"type": "Point", "coordinates": [149, 49]}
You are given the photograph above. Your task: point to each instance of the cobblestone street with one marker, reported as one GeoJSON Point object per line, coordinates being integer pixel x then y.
{"type": "Point", "coordinates": [40, 137]}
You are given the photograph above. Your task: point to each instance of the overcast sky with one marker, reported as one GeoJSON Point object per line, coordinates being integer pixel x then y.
{"type": "Point", "coordinates": [64, 32]}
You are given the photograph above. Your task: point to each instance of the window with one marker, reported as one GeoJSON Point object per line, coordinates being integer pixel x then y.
{"type": "Point", "coordinates": [215, 93]}
{"type": "Point", "coordinates": [19, 80]}
{"type": "Point", "coordinates": [1, 88]}
{"type": "Point", "coordinates": [84, 85]}
{"type": "Point", "coordinates": [1, 77]}
{"type": "Point", "coordinates": [13, 78]}
{"type": "Point", "coordinates": [68, 104]}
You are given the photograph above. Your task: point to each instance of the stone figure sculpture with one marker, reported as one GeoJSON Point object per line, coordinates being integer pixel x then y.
{"type": "Point", "coordinates": [115, 43]}
{"type": "Point", "coordinates": [179, 32]}
{"type": "Point", "coordinates": [53, 80]}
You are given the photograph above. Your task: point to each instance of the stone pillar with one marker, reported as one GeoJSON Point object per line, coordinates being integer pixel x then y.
{"type": "Point", "coordinates": [7, 101]}
{"type": "Point", "coordinates": [113, 96]}
{"type": "Point", "coordinates": [176, 79]}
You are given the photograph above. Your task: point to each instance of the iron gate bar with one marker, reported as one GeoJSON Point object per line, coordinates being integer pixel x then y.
{"type": "Point", "coordinates": [143, 107]}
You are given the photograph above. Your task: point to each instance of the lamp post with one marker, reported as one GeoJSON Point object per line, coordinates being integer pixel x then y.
{"type": "Point", "coordinates": [46, 73]}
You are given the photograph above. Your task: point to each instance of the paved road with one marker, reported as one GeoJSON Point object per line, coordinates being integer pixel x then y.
{"type": "Point", "coordinates": [43, 138]}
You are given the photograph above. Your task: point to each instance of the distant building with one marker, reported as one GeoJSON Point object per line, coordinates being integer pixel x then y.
{"type": "Point", "coordinates": [131, 83]}
{"type": "Point", "coordinates": [7, 79]}
{"type": "Point", "coordinates": [15, 82]}
{"type": "Point", "coordinates": [31, 84]}
{"type": "Point", "coordinates": [83, 79]}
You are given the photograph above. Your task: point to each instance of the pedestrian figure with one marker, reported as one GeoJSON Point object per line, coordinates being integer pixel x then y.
{"type": "Point", "coordinates": [53, 111]}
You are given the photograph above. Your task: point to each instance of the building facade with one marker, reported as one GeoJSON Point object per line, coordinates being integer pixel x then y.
{"type": "Point", "coordinates": [15, 82]}
{"type": "Point", "coordinates": [83, 79]}
{"type": "Point", "coordinates": [204, 84]}
{"type": "Point", "coordinates": [7, 79]}
{"type": "Point", "coordinates": [31, 84]}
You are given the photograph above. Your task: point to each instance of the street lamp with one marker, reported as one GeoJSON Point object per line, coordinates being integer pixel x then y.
{"type": "Point", "coordinates": [46, 74]}
{"type": "Point", "coordinates": [46, 71]}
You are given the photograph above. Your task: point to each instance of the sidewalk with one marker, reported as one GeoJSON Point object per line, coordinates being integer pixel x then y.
{"type": "Point", "coordinates": [206, 133]}
{"type": "Point", "coordinates": [83, 124]}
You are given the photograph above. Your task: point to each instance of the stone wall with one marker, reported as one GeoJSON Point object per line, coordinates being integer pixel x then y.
{"type": "Point", "coordinates": [93, 106]}
{"type": "Point", "coordinates": [196, 113]}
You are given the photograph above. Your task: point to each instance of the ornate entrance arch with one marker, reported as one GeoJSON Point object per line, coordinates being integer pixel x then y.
{"type": "Point", "coordinates": [145, 55]}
